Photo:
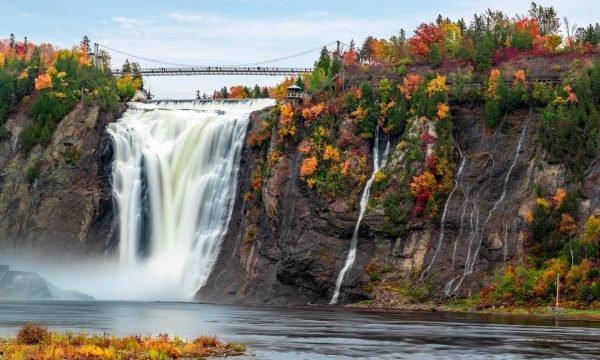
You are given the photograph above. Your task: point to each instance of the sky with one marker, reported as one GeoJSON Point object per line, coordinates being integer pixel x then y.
{"type": "Point", "coordinates": [230, 32]}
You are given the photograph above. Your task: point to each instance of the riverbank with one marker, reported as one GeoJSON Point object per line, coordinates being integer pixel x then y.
{"type": "Point", "coordinates": [537, 311]}
{"type": "Point", "coordinates": [36, 342]}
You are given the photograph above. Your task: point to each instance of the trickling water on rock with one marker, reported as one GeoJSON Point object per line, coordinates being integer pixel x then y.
{"type": "Point", "coordinates": [174, 176]}
{"type": "Point", "coordinates": [363, 207]}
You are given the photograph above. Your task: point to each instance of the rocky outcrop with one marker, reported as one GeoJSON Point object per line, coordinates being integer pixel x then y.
{"type": "Point", "coordinates": [302, 240]}
{"type": "Point", "coordinates": [56, 199]}
{"type": "Point", "coordinates": [22, 285]}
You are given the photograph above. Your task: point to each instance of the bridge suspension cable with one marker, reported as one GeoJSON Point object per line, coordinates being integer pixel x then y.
{"type": "Point", "coordinates": [238, 65]}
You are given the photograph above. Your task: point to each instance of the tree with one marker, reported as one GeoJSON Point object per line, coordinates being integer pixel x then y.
{"type": "Point", "coordinates": [324, 61]}
{"type": "Point", "coordinates": [366, 53]}
{"type": "Point", "coordinates": [137, 74]}
{"type": "Point", "coordinates": [85, 44]}
{"type": "Point", "coordinates": [224, 93]}
{"type": "Point", "coordinates": [299, 82]}
{"type": "Point", "coordinates": [336, 67]}
{"type": "Point", "coordinates": [452, 37]}
{"type": "Point", "coordinates": [435, 56]}
{"type": "Point", "coordinates": [256, 91]}
{"type": "Point", "coordinates": [126, 67]}
{"type": "Point", "coordinates": [425, 36]}
{"type": "Point", "coordinates": [546, 18]}
{"type": "Point", "coordinates": [484, 51]}
{"type": "Point", "coordinates": [11, 41]}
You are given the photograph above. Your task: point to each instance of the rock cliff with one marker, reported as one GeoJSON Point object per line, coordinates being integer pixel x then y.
{"type": "Point", "coordinates": [300, 240]}
{"type": "Point", "coordinates": [56, 199]}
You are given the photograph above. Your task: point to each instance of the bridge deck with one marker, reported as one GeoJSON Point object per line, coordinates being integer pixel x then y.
{"type": "Point", "coordinates": [219, 70]}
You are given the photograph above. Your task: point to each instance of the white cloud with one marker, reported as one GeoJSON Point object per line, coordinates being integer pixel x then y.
{"type": "Point", "coordinates": [128, 23]}
{"type": "Point", "coordinates": [195, 17]}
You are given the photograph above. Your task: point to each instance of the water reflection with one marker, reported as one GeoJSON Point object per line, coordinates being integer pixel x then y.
{"type": "Point", "coordinates": [307, 333]}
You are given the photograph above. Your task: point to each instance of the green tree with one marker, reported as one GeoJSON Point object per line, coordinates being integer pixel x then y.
{"type": "Point", "coordinates": [85, 44]}
{"type": "Point", "coordinates": [324, 61]}
{"type": "Point", "coordinates": [336, 67]}
{"type": "Point", "coordinates": [127, 68]}
{"type": "Point", "coordinates": [484, 51]}
{"type": "Point", "coordinates": [435, 56]}
{"type": "Point", "coordinates": [546, 17]}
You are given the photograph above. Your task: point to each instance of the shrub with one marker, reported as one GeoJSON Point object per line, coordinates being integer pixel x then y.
{"type": "Point", "coordinates": [3, 133]}
{"type": "Point", "coordinates": [32, 334]}
{"type": "Point", "coordinates": [72, 155]}
{"type": "Point", "coordinates": [33, 172]}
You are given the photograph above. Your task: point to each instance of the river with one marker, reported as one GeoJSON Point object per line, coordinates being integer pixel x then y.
{"type": "Point", "coordinates": [323, 333]}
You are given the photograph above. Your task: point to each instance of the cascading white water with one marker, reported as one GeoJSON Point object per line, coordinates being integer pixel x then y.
{"type": "Point", "coordinates": [457, 181]}
{"type": "Point", "coordinates": [377, 165]}
{"type": "Point", "coordinates": [472, 256]}
{"type": "Point", "coordinates": [174, 180]}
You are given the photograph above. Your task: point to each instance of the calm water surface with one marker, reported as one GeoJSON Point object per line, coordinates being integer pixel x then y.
{"type": "Point", "coordinates": [323, 333]}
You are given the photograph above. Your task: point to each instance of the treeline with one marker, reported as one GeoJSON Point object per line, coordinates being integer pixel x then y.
{"type": "Point", "coordinates": [237, 92]}
{"type": "Point", "coordinates": [489, 38]}
{"type": "Point", "coordinates": [61, 78]}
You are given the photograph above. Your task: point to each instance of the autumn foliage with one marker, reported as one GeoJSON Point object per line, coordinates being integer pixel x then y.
{"type": "Point", "coordinates": [36, 342]}
{"type": "Point", "coordinates": [43, 81]}
{"type": "Point", "coordinates": [309, 165]}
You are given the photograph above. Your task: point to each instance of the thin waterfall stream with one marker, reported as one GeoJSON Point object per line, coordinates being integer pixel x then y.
{"type": "Point", "coordinates": [364, 200]}
{"type": "Point", "coordinates": [478, 235]}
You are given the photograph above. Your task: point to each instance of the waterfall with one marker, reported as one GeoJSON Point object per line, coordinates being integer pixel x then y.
{"type": "Point", "coordinates": [174, 181]}
{"type": "Point", "coordinates": [457, 181]}
{"type": "Point", "coordinates": [472, 256]}
{"type": "Point", "coordinates": [377, 165]}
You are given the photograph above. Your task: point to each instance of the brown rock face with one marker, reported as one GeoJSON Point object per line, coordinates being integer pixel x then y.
{"type": "Point", "coordinates": [302, 240]}
{"type": "Point", "coordinates": [67, 209]}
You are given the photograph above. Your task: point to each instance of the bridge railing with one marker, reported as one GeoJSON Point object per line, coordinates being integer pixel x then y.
{"type": "Point", "coordinates": [219, 70]}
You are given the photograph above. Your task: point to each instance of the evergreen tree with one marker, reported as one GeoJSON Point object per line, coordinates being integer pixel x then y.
{"type": "Point", "coordinates": [484, 51]}
{"type": "Point", "coordinates": [85, 44]}
{"type": "Point", "coordinates": [435, 56]}
{"type": "Point", "coordinates": [265, 92]}
{"type": "Point", "coordinates": [324, 61]}
{"type": "Point", "coordinates": [256, 92]}
{"type": "Point", "coordinates": [365, 50]}
{"type": "Point", "coordinates": [299, 82]}
{"type": "Point", "coordinates": [137, 74]}
{"type": "Point", "coordinates": [11, 42]}
{"type": "Point", "coordinates": [224, 93]}
{"type": "Point", "coordinates": [336, 67]}
{"type": "Point", "coordinates": [126, 67]}
{"type": "Point", "coordinates": [595, 82]}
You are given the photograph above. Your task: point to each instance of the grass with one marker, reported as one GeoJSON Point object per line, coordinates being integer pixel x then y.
{"type": "Point", "coordinates": [34, 341]}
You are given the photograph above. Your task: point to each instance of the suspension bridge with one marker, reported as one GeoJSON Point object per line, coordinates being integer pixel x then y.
{"type": "Point", "coordinates": [218, 70]}
{"type": "Point", "coordinates": [257, 68]}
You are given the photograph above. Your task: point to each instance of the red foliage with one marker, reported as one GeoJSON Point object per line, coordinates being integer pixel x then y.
{"type": "Point", "coordinates": [332, 110]}
{"type": "Point", "coordinates": [425, 36]}
{"type": "Point", "coordinates": [427, 137]}
{"type": "Point", "coordinates": [431, 163]}
{"type": "Point", "coordinates": [504, 54]}
{"type": "Point", "coordinates": [529, 25]}
{"type": "Point", "coordinates": [349, 58]}
{"type": "Point", "coordinates": [421, 203]}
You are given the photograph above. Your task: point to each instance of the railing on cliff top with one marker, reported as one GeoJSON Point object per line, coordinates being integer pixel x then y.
{"type": "Point", "coordinates": [220, 70]}
{"type": "Point", "coordinates": [476, 83]}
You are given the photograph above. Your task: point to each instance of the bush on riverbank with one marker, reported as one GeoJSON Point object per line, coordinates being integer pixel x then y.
{"type": "Point", "coordinates": [34, 341]}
